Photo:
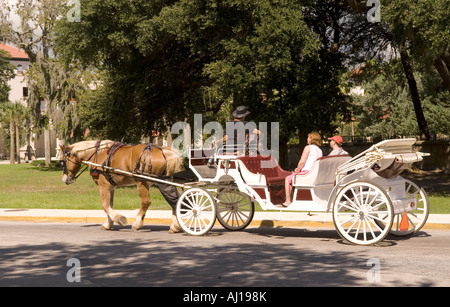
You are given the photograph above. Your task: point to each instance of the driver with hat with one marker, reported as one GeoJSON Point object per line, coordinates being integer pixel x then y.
{"type": "Point", "coordinates": [237, 131]}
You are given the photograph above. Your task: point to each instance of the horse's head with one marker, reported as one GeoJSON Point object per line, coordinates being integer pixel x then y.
{"type": "Point", "coordinates": [71, 164]}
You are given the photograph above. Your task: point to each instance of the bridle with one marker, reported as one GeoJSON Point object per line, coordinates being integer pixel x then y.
{"type": "Point", "coordinates": [63, 163]}
{"type": "Point", "coordinates": [66, 155]}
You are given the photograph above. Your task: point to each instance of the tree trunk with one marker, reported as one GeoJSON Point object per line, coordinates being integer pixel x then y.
{"type": "Point", "coordinates": [17, 143]}
{"type": "Point", "coordinates": [47, 140]}
{"type": "Point", "coordinates": [11, 147]}
{"type": "Point", "coordinates": [421, 121]}
{"type": "Point", "coordinates": [47, 147]}
{"type": "Point", "coordinates": [443, 71]}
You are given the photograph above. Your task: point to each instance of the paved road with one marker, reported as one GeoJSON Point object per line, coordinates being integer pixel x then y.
{"type": "Point", "coordinates": [37, 254]}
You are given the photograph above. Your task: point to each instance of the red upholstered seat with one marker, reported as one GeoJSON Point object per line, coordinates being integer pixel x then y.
{"type": "Point", "coordinates": [273, 173]}
{"type": "Point", "coordinates": [266, 166]}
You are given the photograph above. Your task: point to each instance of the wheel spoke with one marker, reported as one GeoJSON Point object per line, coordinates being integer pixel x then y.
{"type": "Point", "coordinates": [351, 227]}
{"type": "Point", "coordinates": [348, 207]}
{"type": "Point", "coordinates": [355, 206]}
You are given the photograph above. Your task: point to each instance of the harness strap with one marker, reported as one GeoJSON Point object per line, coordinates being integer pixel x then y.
{"type": "Point", "coordinates": [107, 162]}
{"type": "Point", "coordinates": [94, 172]}
{"type": "Point", "coordinates": [147, 151]}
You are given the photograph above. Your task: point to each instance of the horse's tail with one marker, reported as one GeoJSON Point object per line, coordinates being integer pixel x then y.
{"type": "Point", "coordinates": [174, 161]}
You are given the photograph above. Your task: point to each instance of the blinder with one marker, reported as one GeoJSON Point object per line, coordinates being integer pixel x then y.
{"type": "Point", "coordinates": [63, 164]}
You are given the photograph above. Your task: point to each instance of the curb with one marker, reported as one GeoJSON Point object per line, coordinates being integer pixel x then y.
{"type": "Point", "coordinates": [166, 221]}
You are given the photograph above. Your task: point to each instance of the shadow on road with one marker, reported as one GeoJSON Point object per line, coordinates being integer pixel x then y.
{"type": "Point", "coordinates": [144, 260]}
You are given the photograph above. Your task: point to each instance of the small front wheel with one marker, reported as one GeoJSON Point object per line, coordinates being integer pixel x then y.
{"type": "Point", "coordinates": [363, 213]}
{"type": "Point", "coordinates": [196, 211]}
{"type": "Point", "coordinates": [235, 209]}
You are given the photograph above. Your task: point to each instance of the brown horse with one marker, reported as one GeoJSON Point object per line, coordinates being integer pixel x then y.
{"type": "Point", "coordinates": [145, 159]}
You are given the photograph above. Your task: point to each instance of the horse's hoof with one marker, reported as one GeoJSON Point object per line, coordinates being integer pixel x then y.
{"type": "Point", "coordinates": [121, 220]}
{"type": "Point", "coordinates": [105, 228]}
{"type": "Point", "coordinates": [136, 228]}
{"type": "Point", "coordinates": [137, 225]}
{"type": "Point", "coordinates": [174, 229]}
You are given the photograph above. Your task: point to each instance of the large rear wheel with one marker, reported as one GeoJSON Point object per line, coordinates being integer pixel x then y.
{"type": "Point", "coordinates": [362, 213]}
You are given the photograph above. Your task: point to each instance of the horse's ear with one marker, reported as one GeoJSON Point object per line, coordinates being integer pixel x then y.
{"type": "Point", "coordinates": [60, 152]}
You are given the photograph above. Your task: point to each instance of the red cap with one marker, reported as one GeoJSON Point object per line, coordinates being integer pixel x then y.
{"type": "Point", "coordinates": [337, 139]}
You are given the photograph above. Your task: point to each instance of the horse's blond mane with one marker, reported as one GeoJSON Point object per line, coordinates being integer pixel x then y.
{"type": "Point", "coordinates": [86, 148]}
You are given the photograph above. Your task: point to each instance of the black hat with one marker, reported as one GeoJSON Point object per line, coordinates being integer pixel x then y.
{"type": "Point", "coordinates": [241, 112]}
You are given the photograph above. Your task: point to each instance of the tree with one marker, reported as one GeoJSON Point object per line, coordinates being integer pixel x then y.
{"type": "Point", "coordinates": [49, 79]}
{"type": "Point", "coordinates": [260, 54]}
{"type": "Point", "coordinates": [385, 109]}
{"type": "Point", "coordinates": [6, 73]}
{"type": "Point", "coordinates": [14, 114]}
{"type": "Point", "coordinates": [424, 27]}
{"type": "Point", "coordinates": [420, 32]}
{"type": "Point", "coordinates": [407, 67]}
{"type": "Point", "coordinates": [416, 32]}
{"type": "Point", "coordinates": [159, 58]}
{"type": "Point", "coordinates": [145, 83]}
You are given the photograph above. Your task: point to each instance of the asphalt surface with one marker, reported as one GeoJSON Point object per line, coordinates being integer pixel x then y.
{"type": "Point", "coordinates": [164, 217]}
{"type": "Point", "coordinates": [56, 254]}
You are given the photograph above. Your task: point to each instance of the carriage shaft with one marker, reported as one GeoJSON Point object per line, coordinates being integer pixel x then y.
{"type": "Point", "coordinates": [122, 172]}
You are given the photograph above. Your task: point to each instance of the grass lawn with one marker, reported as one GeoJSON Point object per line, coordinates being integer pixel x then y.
{"type": "Point", "coordinates": [27, 186]}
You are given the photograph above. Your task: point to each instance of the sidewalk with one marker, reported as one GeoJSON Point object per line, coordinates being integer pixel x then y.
{"type": "Point", "coordinates": [164, 217]}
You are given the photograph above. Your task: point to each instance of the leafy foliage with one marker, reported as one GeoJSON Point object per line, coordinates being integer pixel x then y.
{"type": "Point", "coordinates": [6, 73]}
{"type": "Point", "coordinates": [386, 110]}
{"type": "Point", "coordinates": [159, 58]}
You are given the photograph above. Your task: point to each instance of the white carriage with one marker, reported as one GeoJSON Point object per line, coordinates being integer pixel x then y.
{"type": "Point", "coordinates": [367, 197]}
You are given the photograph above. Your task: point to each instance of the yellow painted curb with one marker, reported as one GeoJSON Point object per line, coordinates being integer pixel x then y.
{"type": "Point", "coordinates": [166, 221]}
{"type": "Point", "coordinates": [437, 226]}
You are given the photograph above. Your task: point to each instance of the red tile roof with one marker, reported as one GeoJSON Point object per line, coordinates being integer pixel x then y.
{"type": "Point", "coordinates": [15, 53]}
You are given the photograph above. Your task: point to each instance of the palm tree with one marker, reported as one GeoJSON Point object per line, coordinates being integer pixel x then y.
{"type": "Point", "coordinates": [13, 113]}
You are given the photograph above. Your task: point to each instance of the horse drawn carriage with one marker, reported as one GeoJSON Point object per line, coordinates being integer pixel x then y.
{"type": "Point", "coordinates": [367, 197]}
{"type": "Point", "coordinates": [365, 194]}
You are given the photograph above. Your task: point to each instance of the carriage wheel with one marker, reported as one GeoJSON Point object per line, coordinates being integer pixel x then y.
{"type": "Point", "coordinates": [362, 213]}
{"type": "Point", "coordinates": [416, 218]}
{"type": "Point", "coordinates": [196, 211]}
{"type": "Point", "coordinates": [235, 209]}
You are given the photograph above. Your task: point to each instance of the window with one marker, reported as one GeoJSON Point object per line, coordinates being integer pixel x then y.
{"type": "Point", "coordinates": [25, 91]}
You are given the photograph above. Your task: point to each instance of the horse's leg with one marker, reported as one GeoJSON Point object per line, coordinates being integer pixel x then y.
{"type": "Point", "coordinates": [171, 195]}
{"type": "Point", "coordinates": [107, 195]}
{"type": "Point", "coordinates": [175, 227]}
{"type": "Point", "coordinates": [145, 203]}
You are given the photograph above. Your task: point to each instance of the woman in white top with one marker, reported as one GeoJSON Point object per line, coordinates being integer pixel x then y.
{"type": "Point", "coordinates": [311, 153]}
